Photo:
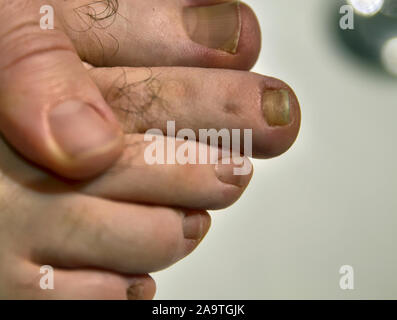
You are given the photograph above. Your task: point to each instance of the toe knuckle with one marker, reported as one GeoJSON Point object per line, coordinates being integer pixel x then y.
{"type": "Point", "coordinates": [27, 40]}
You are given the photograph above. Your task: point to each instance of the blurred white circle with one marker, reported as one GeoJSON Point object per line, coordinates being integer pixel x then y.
{"type": "Point", "coordinates": [367, 7]}
{"type": "Point", "coordinates": [389, 55]}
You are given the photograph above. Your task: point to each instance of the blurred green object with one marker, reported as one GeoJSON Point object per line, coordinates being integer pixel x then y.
{"type": "Point", "coordinates": [390, 8]}
{"type": "Point", "coordinates": [374, 36]}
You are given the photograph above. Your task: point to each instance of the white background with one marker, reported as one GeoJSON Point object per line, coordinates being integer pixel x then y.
{"type": "Point", "coordinates": [330, 201]}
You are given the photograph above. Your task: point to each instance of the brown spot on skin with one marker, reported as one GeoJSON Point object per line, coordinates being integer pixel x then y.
{"type": "Point", "coordinates": [231, 108]}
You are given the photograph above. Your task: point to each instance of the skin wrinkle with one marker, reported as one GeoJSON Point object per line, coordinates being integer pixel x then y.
{"type": "Point", "coordinates": [126, 162]}
{"type": "Point", "coordinates": [73, 220]}
{"type": "Point", "coordinates": [17, 6]}
{"type": "Point", "coordinates": [9, 193]}
{"type": "Point", "coordinates": [6, 198]}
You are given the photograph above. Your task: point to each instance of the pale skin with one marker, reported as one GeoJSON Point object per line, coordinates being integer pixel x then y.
{"type": "Point", "coordinates": [105, 235]}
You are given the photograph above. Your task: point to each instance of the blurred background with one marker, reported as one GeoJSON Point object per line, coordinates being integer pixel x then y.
{"type": "Point", "coordinates": [332, 199]}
